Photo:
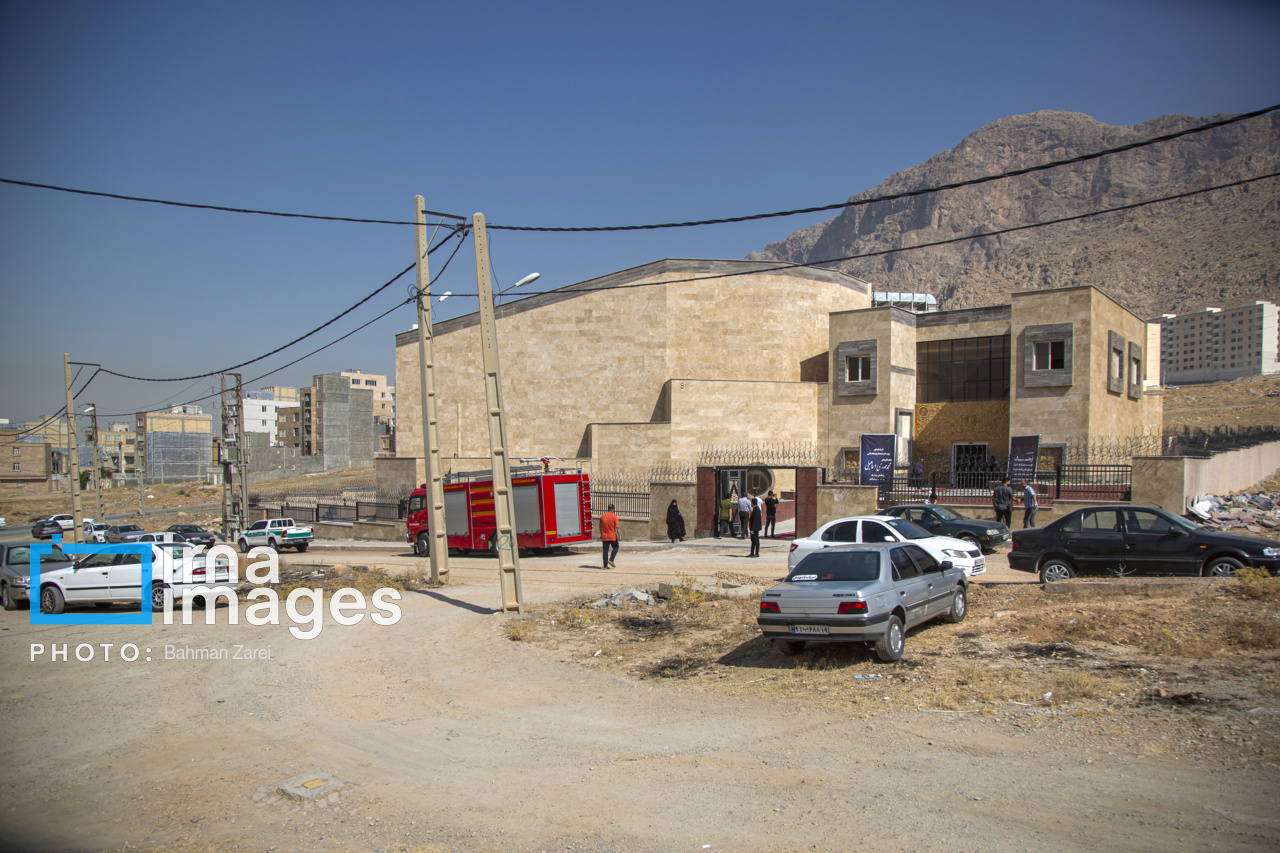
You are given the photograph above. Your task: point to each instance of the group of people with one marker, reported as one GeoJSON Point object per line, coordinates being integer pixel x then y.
{"type": "Point", "coordinates": [752, 513]}
{"type": "Point", "coordinates": [1002, 502]}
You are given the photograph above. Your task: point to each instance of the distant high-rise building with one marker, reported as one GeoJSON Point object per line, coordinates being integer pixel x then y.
{"type": "Point", "coordinates": [1213, 344]}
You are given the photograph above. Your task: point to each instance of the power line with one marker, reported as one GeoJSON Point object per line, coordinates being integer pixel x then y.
{"type": "Point", "coordinates": [300, 338]}
{"type": "Point", "coordinates": [197, 206]}
{"type": "Point", "coordinates": [688, 224]}
{"type": "Point", "coordinates": [1053, 164]}
{"type": "Point", "coordinates": [776, 265]}
{"type": "Point", "coordinates": [62, 411]}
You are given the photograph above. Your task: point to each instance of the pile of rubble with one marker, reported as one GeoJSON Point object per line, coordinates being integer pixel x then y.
{"type": "Point", "coordinates": [1251, 512]}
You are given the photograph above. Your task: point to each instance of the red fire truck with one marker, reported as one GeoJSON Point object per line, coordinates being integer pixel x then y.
{"type": "Point", "coordinates": [553, 508]}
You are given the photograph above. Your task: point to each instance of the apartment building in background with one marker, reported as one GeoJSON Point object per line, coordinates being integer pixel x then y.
{"type": "Point", "coordinates": [263, 415]}
{"type": "Point", "coordinates": [1214, 344]}
{"type": "Point", "coordinates": [26, 458]}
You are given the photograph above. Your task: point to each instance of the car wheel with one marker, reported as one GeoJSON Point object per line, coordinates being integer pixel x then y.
{"type": "Point", "coordinates": [302, 546]}
{"type": "Point", "coordinates": [271, 543]}
{"type": "Point", "coordinates": [244, 546]}
{"type": "Point", "coordinates": [51, 600]}
{"type": "Point", "coordinates": [7, 599]}
{"type": "Point", "coordinates": [970, 539]}
{"type": "Point", "coordinates": [1222, 567]}
{"type": "Point", "coordinates": [157, 598]}
{"type": "Point", "coordinates": [1056, 569]}
{"type": "Point", "coordinates": [421, 545]}
{"type": "Point", "coordinates": [890, 646]}
{"type": "Point", "coordinates": [792, 647]}
{"type": "Point", "coordinates": [959, 606]}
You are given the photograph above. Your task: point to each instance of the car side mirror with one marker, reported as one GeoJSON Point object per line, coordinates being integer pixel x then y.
{"type": "Point", "coordinates": [1176, 530]}
{"type": "Point", "coordinates": [947, 564]}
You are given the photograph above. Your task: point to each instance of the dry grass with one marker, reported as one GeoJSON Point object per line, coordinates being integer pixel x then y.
{"type": "Point", "coordinates": [366, 579]}
{"type": "Point", "coordinates": [520, 631]}
{"type": "Point", "coordinates": [1258, 584]}
{"type": "Point", "coordinates": [1255, 631]}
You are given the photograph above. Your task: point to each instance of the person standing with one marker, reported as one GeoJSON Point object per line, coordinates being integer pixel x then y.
{"type": "Point", "coordinates": [771, 515]}
{"type": "Point", "coordinates": [1029, 504]}
{"type": "Point", "coordinates": [1002, 502]}
{"type": "Point", "coordinates": [675, 522]}
{"type": "Point", "coordinates": [744, 515]}
{"type": "Point", "coordinates": [754, 523]}
{"type": "Point", "coordinates": [919, 484]}
{"type": "Point", "coordinates": [726, 516]}
{"type": "Point", "coordinates": [609, 537]}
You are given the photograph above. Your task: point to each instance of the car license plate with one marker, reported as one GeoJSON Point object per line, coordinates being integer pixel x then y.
{"type": "Point", "coordinates": [809, 629]}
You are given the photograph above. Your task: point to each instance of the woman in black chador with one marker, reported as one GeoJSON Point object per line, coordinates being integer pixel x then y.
{"type": "Point", "coordinates": [675, 523]}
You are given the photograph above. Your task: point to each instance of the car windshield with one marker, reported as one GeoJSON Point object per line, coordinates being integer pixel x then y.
{"type": "Point", "coordinates": [907, 530]}
{"type": "Point", "coordinates": [185, 528]}
{"type": "Point", "coordinates": [948, 514]}
{"type": "Point", "coordinates": [100, 527]}
{"type": "Point", "coordinates": [20, 555]}
{"type": "Point", "coordinates": [129, 528]}
{"type": "Point", "coordinates": [832, 565]}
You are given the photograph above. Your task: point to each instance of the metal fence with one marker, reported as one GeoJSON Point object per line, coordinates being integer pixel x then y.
{"type": "Point", "coordinates": [1063, 482]}
{"type": "Point", "coordinates": [625, 504]}
{"type": "Point", "coordinates": [357, 511]}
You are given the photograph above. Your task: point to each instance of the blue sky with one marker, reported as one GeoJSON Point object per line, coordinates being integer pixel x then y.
{"type": "Point", "coordinates": [534, 113]}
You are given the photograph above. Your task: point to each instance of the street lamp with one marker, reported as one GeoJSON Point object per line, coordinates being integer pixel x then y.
{"type": "Point", "coordinates": [533, 276]}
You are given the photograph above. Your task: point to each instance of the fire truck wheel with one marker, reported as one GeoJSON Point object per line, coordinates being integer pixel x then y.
{"type": "Point", "coordinates": [421, 546]}
{"type": "Point", "coordinates": [493, 543]}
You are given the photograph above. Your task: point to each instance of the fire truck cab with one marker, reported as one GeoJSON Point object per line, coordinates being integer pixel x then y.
{"type": "Point", "coordinates": [553, 508]}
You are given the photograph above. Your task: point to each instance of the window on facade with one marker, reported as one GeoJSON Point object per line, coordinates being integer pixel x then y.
{"type": "Point", "coordinates": [17, 466]}
{"type": "Point", "coordinates": [1117, 364]}
{"type": "Point", "coordinates": [1049, 355]}
{"type": "Point", "coordinates": [371, 382]}
{"type": "Point", "coordinates": [857, 368]}
{"type": "Point", "coordinates": [17, 452]}
{"type": "Point", "coordinates": [963, 370]}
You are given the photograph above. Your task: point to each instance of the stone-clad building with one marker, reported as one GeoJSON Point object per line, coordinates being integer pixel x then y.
{"type": "Point", "coordinates": [656, 363]}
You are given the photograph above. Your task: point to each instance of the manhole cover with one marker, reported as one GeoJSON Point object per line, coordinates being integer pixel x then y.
{"type": "Point", "coordinates": [309, 786]}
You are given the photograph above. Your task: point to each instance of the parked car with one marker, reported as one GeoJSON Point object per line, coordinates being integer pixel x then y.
{"type": "Point", "coordinates": [163, 538]}
{"type": "Point", "coordinates": [862, 594]}
{"type": "Point", "coordinates": [106, 579]}
{"type": "Point", "coordinates": [95, 531]}
{"type": "Point", "coordinates": [3, 522]}
{"type": "Point", "coordinates": [871, 529]}
{"type": "Point", "coordinates": [1126, 539]}
{"type": "Point", "coordinates": [45, 529]}
{"type": "Point", "coordinates": [194, 534]}
{"type": "Point", "coordinates": [65, 520]}
{"type": "Point", "coordinates": [941, 521]}
{"type": "Point", "coordinates": [15, 570]}
{"type": "Point", "coordinates": [275, 533]}
{"type": "Point", "coordinates": [124, 533]}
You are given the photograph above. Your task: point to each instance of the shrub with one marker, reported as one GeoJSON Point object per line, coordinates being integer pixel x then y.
{"type": "Point", "coordinates": [1255, 632]}
{"type": "Point", "coordinates": [1258, 583]}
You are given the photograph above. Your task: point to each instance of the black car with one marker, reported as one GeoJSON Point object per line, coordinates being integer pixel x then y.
{"type": "Point", "coordinates": [194, 534]}
{"type": "Point", "coordinates": [941, 521]}
{"type": "Point", "coordinates": [1122, 540]}
{"type": "Point", "coordinates": [45, 529]}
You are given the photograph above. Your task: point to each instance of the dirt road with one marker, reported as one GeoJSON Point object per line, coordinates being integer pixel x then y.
{"type": "Point", "coordinates": [453, 737]}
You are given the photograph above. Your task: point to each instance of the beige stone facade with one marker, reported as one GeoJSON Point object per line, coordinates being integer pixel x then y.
{"type": "Point", "coordinates": [641, 366]}
{"type": "Point", "coordinates": [26, 458]}
{"type": "Point", "coordinates": [658, 363]}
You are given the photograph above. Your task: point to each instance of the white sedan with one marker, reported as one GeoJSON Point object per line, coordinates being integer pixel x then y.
{"type": "Point", "coordinates": [866, 529]}
{"type": "Point", "coordinates": [106, 579]}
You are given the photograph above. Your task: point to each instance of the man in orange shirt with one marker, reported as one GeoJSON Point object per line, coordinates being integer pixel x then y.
{"type": "Point", "coordinates": [609, 537]}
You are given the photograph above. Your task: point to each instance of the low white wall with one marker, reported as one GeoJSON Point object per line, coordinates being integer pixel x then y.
{"type": "Point", "coordinates": [1232, 471]}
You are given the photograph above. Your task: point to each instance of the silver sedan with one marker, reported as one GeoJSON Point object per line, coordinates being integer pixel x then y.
{"type": "Point", "coordinates": [862, 594]}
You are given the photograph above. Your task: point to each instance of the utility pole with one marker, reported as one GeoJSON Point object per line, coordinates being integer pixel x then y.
{"type": "Point", "coordinates": [503, 506]}
{"type": "Point", "coordinates": [97, 467]}
{"type": "Point", "coordinates": [438, 544]}
{"type": "Point", "coordinates": [77, 531]}
{"type": "Point", "coordinates": [242, 455]}
{"type": "Point", "coordinates": [226, 466]}
{"type": "Point", "coordinates": [139, 458]}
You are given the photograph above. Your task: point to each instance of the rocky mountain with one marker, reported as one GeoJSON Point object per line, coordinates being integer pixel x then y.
{"type": "Point", "coordinates": [1221, 247]}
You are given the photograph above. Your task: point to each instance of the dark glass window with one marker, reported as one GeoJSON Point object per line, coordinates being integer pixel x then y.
{"type": "Point", "coordinates": [963, 370]}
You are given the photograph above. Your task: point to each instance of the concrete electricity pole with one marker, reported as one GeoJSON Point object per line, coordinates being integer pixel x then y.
{"type": "Point", "coordinates": [226, 466]}
{"type": "Point", "coordinates": [438, 544]}
{"type": "Point", "coordinates": [242, 456]}
{"type": "Point", "coordinates": [97, 467]}
{"type": "Point", "coordinates": [77, 516]}
{"type": "Point", "coordinates": [503, 506]}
